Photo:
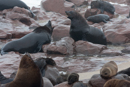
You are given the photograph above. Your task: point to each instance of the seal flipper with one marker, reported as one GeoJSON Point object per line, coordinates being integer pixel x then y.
{"type": "Point", "coordinates": [2, 52]}
{"type": "Point", "coordinates": [104, 21]}
{"type": "Point", "coordinates": [33, 15]}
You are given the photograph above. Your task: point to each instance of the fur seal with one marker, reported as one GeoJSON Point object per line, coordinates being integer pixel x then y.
{"type": "Point", "coordinates": [98, 18]}
{"type": "Point", "coordinates": [7, 4]}
{"type": "Point", "coordinates": [117, 83]}
{"type": "Point", "coordinates": [31, 42]}
{"type": "Point", "coordinates": [80, 30]}
{"type": "Point", "coordinates": [41, 63]}
{"type": "Point", "coordinates": [72, 78]}
{"type": "Point", "coordinates": [4, 80]}
{"type": "Point", "coordinates": [109, 70]}
{"type": "Point", "coordinates": [51, 72]}
{"type": "Point", "coordinates": [103, 6]}
{"type": "Point", "coordinates": [28, 74]}
{"type": "Point", "coordinates": [125, 71]}
{"type": "Point", "coordinates": [79, 84]}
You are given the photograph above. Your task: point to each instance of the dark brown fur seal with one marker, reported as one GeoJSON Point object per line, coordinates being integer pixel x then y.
{"type": "Point", "coordinates": [8, 4]}
{"type": "Point", "coordinates": [117, 83]}
{"type": "Point", "coordinates": [28, 74]}
{"type": "Point", "coordinates": [125, 71]}
{"type": "Point", "coordinates": [41, 63]}
{"type": "Point", "coordinates": [51, 72]}
{"type": "Point", "coordinates": [72, 78]}
{"type": "Point", "coordinates": [80, 30]}
{"type": "Point", "coordinates": [98, 18]}
{"type": "Point", "coordinates": [31, 42]}
{"type": "Point", "coordinates": [103, 6]}
{"type": "Point", "coordinates": [109, 70]}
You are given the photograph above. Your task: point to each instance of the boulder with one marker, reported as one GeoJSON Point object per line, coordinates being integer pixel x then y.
{"type": "Point", "coordinates": [59, 6]}
{"type": "Point", "coordinates": [64, 46]}
{"type": "Point", "coordinates": [88, 48]}
{"type": "Point", "coordinates": [60, 31]}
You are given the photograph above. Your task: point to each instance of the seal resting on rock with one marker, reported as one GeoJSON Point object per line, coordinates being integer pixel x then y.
{"type": "Point", "coordinates": [125, 71]}
{"type": "Point", "coordinates": [31, 42]}
{"type": "Point", "coordinates": [98, 18]}
{"type": "Point", "coordinates": [117, 83]}
{"type": "Point", "coordinates": [28, 74]}
{"type": "Point", "coordinates": [8, 4]}
{"type": "Point", "coordinates": [109, 70]}
{"type": "Point", "coordinates": [72, 78]}
{"type": "Point", "coordinates": [103, 6]}
{"type": "Point", "coordinates": [80, 30]}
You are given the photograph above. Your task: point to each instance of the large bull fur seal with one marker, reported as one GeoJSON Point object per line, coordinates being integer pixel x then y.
{"type": "Point", "coordinates": [103, 6]}
{"type": "Point", "coordinates": [80, 30]}
{"type": "Point", "coordinates": [31, 42]}
{"type": "Point", "coordinates": [109, 70]}
{"type": "Point", "coordinates": [7, 4]}
{"type": "Point", "coordinates": [117, 83]}
{"type": "Point", "coordinates": [28, 74]}
{"type": "Point", "coordinates": [98, 18]}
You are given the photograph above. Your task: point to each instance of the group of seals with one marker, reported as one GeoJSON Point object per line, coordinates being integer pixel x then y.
{"type": "Point", "coordinates": [28, 74]}
{"type": "Point", "coordinates": [80, 30]}
{"type": "Point", "coordinates": [117, 83]}
{"type": "Point", "coordinates": [31, 42]}
{"type": "Point", "coordinates": [109, 70]}
{"type": "Point", "coordinates": [103, 6]}
{"type": "Point", "coordinates": [7, 4]}
{"type": "Point", "coordinates": [98, 18]}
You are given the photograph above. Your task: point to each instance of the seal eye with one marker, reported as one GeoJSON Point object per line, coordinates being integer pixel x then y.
{"type": "Point", "coordinates": [105, 73]}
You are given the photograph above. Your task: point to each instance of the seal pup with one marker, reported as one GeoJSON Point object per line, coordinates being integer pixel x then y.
{"type": "Point", "coordinates": [80, 30]}
{"type": "Point", "coordinates": [125, 71]}
{"type": "Point", "coordinates": [41, 63]}
{"type": "Point", "coordinates": [103, 6]}
{"type": "Point", "coordinates": [72, 78]}
{"type": "Point", "coordinates": [117, 83]}
{"type": "Point", "coordinates": [109, 70]}
{"type": "Point", "coordinates": [8, 4]}
{"type": "Point", "coordinates": [28, 74]}
{"type": "Point", "coordinates": [51, 72]}
{"type": "Point", "coordinates": [32, 42]}
{"type": "Point", "coordinates": [98, 18]}
{"type": "Point", "coordinates": [4, 80]}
